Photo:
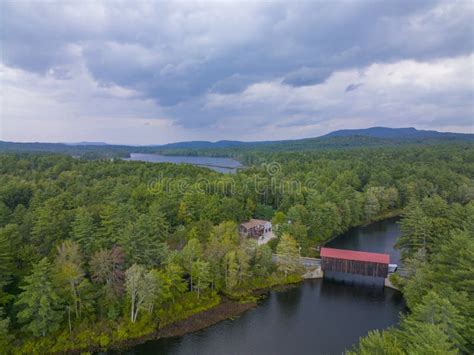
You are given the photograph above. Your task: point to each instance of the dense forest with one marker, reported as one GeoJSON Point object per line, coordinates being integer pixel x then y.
{"type": "Point", "coordinates": [94, 252]}
{"type": "Point", "coordinates": [438, 252]}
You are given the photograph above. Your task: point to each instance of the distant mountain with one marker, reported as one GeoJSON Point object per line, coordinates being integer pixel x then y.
{"type": "Point", "coordinates": [343, 139]}
{"type": "Point", "coordinates": [201, 144]}
{"type": "Point", "coordinates": [373, 132]}
{"type": "Point", "coordinates": [396, 133]}
{"type": "Point", "coordinates": [87, 143]}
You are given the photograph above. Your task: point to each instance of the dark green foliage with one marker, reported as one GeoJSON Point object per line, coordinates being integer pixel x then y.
{"type": "Point", "coordinates": [40, 305]}
{"type": "Point", "coordinates": [438, 247]}
{"type": "Point", "coordinates": [7, 267]}
{"type": "Point", "coordinates": [84, 230]}
{"type": "Point", "coordinates": [180, 224]}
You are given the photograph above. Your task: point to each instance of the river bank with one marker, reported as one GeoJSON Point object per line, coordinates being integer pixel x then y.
{"type": "Point", "coordinates": [226, 309]}
{"type": "Point", "coordinates": [123, 336]}
{"type": "Point", "coordinates": [235, 304]}
{"type": "Point", "coordinates": [329, 315]}
{"type": "Point", "coordinates": [119, 337]}
{"type": "Point", "coordinates": [229, 307]}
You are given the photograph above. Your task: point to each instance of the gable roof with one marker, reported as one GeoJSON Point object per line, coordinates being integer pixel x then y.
{"type": "Point", "coordinates": [254, 223]}
{"type": "Point", "coordinates": [355, 255]}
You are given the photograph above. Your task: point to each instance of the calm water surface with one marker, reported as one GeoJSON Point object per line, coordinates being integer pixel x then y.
{"type": "Point", "coordinates": [222, 165]}
{"type": "Point", "coordinates": [319, 317]}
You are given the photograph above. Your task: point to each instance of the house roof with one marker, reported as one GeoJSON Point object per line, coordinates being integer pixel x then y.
{"type": "Point", "coordinates": [355, 255]}
{"type": "Point", "coordinates": [254, 223]}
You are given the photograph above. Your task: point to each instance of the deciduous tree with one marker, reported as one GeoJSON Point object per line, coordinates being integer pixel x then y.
{"type": "Point", "coordinates": [288, 253]}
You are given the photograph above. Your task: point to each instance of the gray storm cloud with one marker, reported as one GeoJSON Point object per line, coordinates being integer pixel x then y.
{"type": "Point", "coordinates": [212, 70]}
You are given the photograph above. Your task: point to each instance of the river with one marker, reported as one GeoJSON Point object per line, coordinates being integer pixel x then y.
{"type": "Point", "coordinates": [324, 316]}
{"type": "Point", "coordinates": [222, 165]}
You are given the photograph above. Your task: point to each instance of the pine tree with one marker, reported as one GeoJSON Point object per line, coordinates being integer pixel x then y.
{"type": "Point", "coordinates": [415, 227]}
{"type": "Point", "coordinates": [83, 230]}
{"type": "Point", "coordinates": [39, 302]}
{"type": "Point", "coordinates": [427, 338]}
{"type": "Point", "coordinates": [439, 311]}
{"type": "Point", "coordinates": [5, 337]}
{"type": "Point", "coordinates": [7, 234]}
{"type": "Point", "coordinates": [377, 342]}
{"type": "Point", "coordinates": [142, 243]}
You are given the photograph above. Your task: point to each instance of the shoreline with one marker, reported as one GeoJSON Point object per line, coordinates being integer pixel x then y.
{"type": "Point", "coordinates": [389, 215]}
{"type": "Point", "coordinates": [227, 309]}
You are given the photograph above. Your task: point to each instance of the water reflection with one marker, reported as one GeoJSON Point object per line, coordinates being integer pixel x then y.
{"type": "Point", "coordinates": [222, 165]}
{"type": "Point", "coordinates": [318, 317]}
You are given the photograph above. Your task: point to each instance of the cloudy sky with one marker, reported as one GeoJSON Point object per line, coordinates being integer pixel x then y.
{"type": "Point", "coordinates": [157, 72]}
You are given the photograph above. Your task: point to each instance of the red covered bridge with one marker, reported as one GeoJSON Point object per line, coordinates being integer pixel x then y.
{"type": "Point", "coordinates": [354, 262]}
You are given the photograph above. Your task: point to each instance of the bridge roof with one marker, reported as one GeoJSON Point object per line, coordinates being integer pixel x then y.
{"type": "Point", "coordinates": [355, 255]}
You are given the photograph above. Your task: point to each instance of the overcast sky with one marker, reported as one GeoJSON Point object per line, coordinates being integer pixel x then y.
{"type": "Point", "coordinates": [157, 72]}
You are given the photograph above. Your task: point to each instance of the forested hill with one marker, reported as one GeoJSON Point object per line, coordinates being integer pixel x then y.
{"type": "Point", "coordinates": [344, 139]}
{"type": "Point", "coordinates": [398, 133]}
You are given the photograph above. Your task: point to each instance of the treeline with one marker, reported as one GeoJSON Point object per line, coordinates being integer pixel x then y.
{"type": "Point", "coordinates": [93, 252]}
{"type": "Point", "coordinates": [438, 253]}
{"type": "Point", "coordinates": [240, 150]}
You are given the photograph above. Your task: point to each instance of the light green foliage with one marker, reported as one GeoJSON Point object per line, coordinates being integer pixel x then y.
{"type": "Point", "coordinates": [243, 259]}
{"type": "Point", "coordinates": [200, 273]}
{"type": "Point", "coordinates": [70, 274]}
{"type": "Point", "coordinates": [288, 253]}
{"type": "Point", "coordinates": [231, 267]}
{"type": "Point", "coordinates": [153, 290]}
{"type": "Point", "coordinates": [263, 261]}
{"type": "Point", "coordinates": [190, 253]}
{"type": "Point", "coordinates": [378, 343]}
{"type": "Point", "coordinates": [372, 204]}
{"type": "Point", "coordinates": [39, 302]}
{"type": "Point", "coordinates": [135, 286]}
{"type": "Point", "coordinates": [174, 281]}
{"type": "Point", "coordinates": [279, 218]}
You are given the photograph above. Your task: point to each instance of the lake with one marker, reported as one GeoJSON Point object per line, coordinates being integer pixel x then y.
{"type": "Point", "coordinates": [221, 165]}
{"type": "Point", "coordinates": [323, 316]}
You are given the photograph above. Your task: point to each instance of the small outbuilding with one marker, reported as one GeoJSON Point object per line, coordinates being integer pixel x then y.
{"type": "Point", "coordinates": [255, 228]}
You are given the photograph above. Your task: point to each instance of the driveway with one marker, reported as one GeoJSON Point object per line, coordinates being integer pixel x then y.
{"type": "Point", "coordinates": [264, 239]}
